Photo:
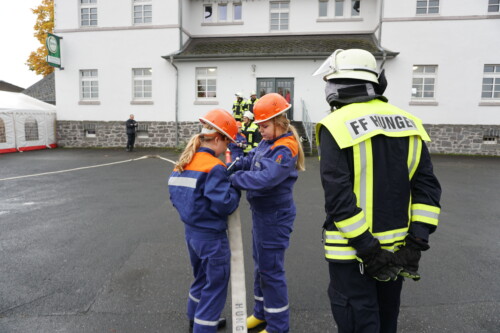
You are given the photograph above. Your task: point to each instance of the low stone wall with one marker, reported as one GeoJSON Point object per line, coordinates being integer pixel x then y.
{"type": "Point", "coordinates": [464, 139]}
{"type": "Point", "coordinates": [446, 139]}
{"type": "Point", "coordinates": [113, 134]}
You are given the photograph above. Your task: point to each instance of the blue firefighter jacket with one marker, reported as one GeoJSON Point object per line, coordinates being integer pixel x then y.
{"type": "Point", "coordinates": [268, 173]}
{"type": "Point", "coordinates": [237, 148]}
{"type": "Point", "coordinates": [203, 195]}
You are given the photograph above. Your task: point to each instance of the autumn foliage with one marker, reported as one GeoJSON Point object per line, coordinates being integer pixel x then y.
{"type": "Point", "coordinates": [44, 24]}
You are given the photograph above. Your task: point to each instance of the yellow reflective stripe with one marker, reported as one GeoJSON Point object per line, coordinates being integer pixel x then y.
{"type": "Point", "coordinates": [368, 207]}
{"type": "Point", "coordinates": [429, 208]}
{"type": "Point", "coordinates": [357, 171]}
{"type": "Point", "coordinates": [334, 237]}
{"type": "Point", "coordinates": [391, 236]}
{"type": "Point", "coordinates": [340, 252]}
{"type": "Point", "coordinates": [425, 213]}
{"type": "Point", "coordinates": [363, 179]}
{"type": "Point", "coordinates": [414, 152]}
{"type": "Point", "coordinates": [353, 226]}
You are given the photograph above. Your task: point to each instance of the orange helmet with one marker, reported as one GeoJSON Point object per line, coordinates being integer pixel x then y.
{"type": "Point", "coordinates": [270, 106]}
{"type": "Point", "coordinates": [222, 121]}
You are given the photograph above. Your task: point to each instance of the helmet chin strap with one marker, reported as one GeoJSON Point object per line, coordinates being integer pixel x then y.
{"type": "Point", "coordinates": [342, 92]}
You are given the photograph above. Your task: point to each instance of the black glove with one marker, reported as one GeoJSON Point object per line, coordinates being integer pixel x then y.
{"type": "Point", "coordinates": [379, 263]}
{"type": "Point", "coordinates": [409, 255]}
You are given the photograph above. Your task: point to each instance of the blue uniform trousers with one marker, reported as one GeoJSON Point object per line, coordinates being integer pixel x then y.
{"type": "Point", "coordinates": [210, 260]}
{"type": "Point", "coordinates": [361, 304]}
{"type": "Point", "coordinates": [271, 235]}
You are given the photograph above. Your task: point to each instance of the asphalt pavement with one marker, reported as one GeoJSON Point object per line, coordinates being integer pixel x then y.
{"type": "Point", "coordinates": [99, 247]}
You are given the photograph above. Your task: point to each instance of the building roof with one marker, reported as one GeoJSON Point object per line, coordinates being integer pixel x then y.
{"type": "Point", "coordinates": [6, 86]}
{"type": "Point", "coordinates": [44, 89]}
{"type": "Point", "coordinates": [275, 47]}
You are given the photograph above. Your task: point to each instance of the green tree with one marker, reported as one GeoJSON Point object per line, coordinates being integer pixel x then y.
{"type": "Point", "coordinates": [44, 24]}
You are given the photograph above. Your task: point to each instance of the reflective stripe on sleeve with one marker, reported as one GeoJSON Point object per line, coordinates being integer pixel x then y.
{"type": "Point", "coordinates": [258, 298]}
{"type": "Point", "coordinates": [391, 236]}
{"type": "Point", "coordinates": [353, 226]}
{"type": "Point", "coordinates": [182, 181]}
{"type": "Point", "coordinates": [414, 152]}
{"type": "Point", "coordinates": [276, 310]}
{"type": "Point", "coordinates": [425, 213]}
{"type": "Point", "coordinates": [340, 253]}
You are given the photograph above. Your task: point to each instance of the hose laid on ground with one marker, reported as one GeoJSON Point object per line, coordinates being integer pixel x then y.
{"type": "Point", "coordinates": [238, 292]}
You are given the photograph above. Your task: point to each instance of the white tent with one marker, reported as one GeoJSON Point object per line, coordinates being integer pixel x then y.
{"type": "Point", "coordinates": [26, 123]}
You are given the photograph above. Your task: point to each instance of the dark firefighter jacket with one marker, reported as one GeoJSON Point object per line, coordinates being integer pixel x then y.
{"type": "Point", "coordinates": [378, 178]}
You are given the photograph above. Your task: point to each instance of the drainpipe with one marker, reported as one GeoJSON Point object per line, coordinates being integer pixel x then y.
{"type": "Point", "coordinates": [384, 54]}
{"type": "Point", "coordinates": [177, 77]}
{"type": "Point", "coordinates": [180, 24]}
{"type": "Point", "coordinates": [176, 101]}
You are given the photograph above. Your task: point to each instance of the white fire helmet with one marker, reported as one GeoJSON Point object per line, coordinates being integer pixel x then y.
{"type": "Point", "coordinates": [248, 114]}
{"type": "Point", "coordinates": [252, 93]}
{"type": "Point", "coordinates": [238, 94]}
{"type": "Point", "coordinates": [349, 64]}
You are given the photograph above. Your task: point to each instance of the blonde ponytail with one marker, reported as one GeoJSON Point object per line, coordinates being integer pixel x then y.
{"type": "Point", "coordinates": [283, 122]}
{"type": "Point", "coordinates": [188, 153]}
{"type": "Point", "coordinates": [301, 161]}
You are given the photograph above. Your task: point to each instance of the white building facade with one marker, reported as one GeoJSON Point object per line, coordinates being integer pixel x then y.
{"type": "Point", "coordinates": [170, 61]}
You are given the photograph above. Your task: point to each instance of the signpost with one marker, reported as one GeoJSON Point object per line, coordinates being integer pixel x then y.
{"type": "Point", "coordinates": [54, 50]}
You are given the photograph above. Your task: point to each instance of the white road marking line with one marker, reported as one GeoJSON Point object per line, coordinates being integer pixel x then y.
{"type": "Point", "coordinates": [87, 167]}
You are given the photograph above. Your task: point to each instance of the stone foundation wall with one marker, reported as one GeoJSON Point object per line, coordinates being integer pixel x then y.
{"type": "Point", "coordinates": [113, 134]}
{"type": "Point", "coordinates": [446, 139]}
{"type": "Point", "coordinates": [464, 139]}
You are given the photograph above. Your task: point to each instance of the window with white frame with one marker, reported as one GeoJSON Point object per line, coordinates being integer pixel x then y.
{"type": "Point", "coordinates": [143, 83]}
{"type": "Point", "coordinates": [335, 9]}
{"type": "Point", "coordinates": [491, 83]}
{"type": "Point", "coordinates": [339, 8]}
{"type": "Point", "coordinates": [222, 12]}
{"type": "Point", "coordinates": [88, 13]}
{"type": "Point", "coordinates": [89, 86]}
{"type": "Point", "coordinates": [280, 11]}
{"type": "Point", "coordinates": [208, 13]}
{"type": "Point", "coordinates": [427, 6]}
{"type": "Point", "coordinates": [206, 83]}
{"type": "Point", "coordinates": [424, 82]}
{"type": "Point", "coordinates": [237, 12]}
{"type": "Point", "coordinates": [493, 6]}
{"type": "Point", "coordinates": [143, 11]}
{"type": "Point", "coordinates": [323, 8]}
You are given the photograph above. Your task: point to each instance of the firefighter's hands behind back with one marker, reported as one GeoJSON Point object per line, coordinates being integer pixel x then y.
{"type": "Point", "coordinates": [409, 255]}
{"type": "Point", "coordinates": [379, 263]}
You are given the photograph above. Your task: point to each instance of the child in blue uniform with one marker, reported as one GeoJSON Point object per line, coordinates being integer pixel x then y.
{"type": "Point", "coordinates": [203, 196]}
{"type": "Point", "coordinates": [239, 145]}
{"type": "Point", "coordinates": [268, 173]}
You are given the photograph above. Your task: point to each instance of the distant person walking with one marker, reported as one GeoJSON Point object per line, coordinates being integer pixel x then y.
{"type": "Point", "coordinates": [131, 125]}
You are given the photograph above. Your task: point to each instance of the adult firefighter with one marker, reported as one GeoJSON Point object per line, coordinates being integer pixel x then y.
{"type": "Point", "coordinates": [381, 195]}
{"type": "Point", "coordinates": [251, 131]}
{"type": "Point", "coordinates": [239, 106]}
{"type": "Point", "coordinates": [251, 102]}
